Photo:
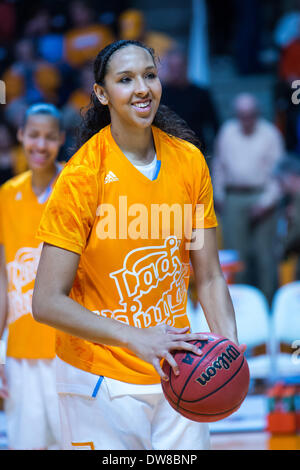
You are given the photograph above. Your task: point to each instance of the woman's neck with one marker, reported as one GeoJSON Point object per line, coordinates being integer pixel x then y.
{"type": "Point", "coordinates": [138, 145]}
{"type": "Point", "coordinates": [41, 179]}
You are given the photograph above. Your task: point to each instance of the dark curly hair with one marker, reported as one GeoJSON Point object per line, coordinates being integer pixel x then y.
{"type": "Point", "coordinates": [96, 116]}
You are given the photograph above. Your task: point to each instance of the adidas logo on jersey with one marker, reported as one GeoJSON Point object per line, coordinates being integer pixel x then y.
{"type": "Point", "coordinates": [110, 177]}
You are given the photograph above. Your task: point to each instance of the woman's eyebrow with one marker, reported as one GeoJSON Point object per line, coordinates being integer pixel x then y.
{"type": "Point", "coordinates": [130, 71]}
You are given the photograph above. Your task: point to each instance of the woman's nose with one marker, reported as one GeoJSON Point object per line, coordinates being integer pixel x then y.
{"type": "Point", "coordinates": [141, 87]}
{"type": "Point", "coordinates": [41, 143]}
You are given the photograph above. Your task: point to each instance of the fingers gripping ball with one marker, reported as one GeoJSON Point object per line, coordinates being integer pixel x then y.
{"type": "Point", "coordinates": [211, 386]}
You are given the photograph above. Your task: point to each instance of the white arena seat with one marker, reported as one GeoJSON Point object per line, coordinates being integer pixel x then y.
{"type": "Point", "coordinates": [285, 341]}
{"type": "Point", "coordinates": [253, 324]}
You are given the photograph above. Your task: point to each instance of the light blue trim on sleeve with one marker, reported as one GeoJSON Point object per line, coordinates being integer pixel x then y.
{"type": "Point", "coordinates": [97, 386]}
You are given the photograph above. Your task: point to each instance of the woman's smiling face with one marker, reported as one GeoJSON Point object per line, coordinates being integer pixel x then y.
{"type": "Point", "coordinates": [132, 89]}
{"type": "Point", "coordinates": [41, 139]}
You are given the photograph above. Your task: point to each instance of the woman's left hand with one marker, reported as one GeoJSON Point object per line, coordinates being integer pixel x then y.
{"type": "Point", "coordinates": [242, 348]}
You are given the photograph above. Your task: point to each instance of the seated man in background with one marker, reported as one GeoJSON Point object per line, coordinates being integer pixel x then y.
{"type": "Point", "coordinates": [247, 193]}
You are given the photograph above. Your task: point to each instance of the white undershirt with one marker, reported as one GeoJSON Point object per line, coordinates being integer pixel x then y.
{"type": "Point", "coordinates": [148, 170]}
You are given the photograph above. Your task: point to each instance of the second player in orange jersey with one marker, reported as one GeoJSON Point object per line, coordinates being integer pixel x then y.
{"type": "Point", "coordinates": [28, 378]}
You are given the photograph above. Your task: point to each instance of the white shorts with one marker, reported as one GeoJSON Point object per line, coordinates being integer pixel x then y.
{"type": "Point", "coordinates": [105, 414]}
{"type": "Point", "coordinates": [32, 413]}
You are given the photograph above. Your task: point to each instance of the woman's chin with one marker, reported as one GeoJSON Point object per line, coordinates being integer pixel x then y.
{"type": "Point", "coordinates": [40, 166]}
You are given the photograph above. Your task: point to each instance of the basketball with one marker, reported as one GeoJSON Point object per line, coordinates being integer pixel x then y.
{"type": "Point", "coordinates": [211, 386]}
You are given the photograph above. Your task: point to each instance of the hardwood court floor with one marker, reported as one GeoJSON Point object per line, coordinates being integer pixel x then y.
{"type": "Point", "coordinates": [254, 441]}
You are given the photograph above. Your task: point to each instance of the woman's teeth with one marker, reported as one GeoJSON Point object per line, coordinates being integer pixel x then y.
{"type": "Point", "coordinates": [142, 105]}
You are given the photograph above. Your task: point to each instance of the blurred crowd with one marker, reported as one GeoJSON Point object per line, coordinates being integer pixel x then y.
{"type": "Point", "coordinates": [50, 60]}
{"type": "Point", "coordinates": [46, 55]}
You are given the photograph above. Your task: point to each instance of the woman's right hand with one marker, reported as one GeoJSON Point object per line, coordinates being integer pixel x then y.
{"type": "Point", "coordinates": [156, 343]}
{"type": "Point", "coordinates": [3, 386]}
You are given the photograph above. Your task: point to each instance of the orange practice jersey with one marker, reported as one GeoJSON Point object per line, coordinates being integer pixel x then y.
{"type": "Point", "coordinates": [20, 215]}
{"type": "Point", "coordinates": [132, 268]}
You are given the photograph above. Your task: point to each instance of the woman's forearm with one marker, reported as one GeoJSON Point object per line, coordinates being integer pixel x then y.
{"type": "Point", "coordinates": [216, 303]}
{"type": "Point", "coordinates": [150, 344]}
{"type": "Point", "coordinates": [63, 313]}
{"type": "Point", "coordinates": [52, 305]}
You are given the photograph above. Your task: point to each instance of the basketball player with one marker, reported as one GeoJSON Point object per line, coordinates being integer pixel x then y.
{"type": "Point", "coordinates": [28, 378]}
{"type": "Point", "coordinates": [127, 274]}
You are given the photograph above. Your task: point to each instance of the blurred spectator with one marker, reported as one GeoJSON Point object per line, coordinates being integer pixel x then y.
{"type": "Point", "coordinates": [39, 24]}
{"type": "Point", "coordinates": [247, 35]}
{"type": "Point", "coordinates": [287, 116]}
{"type": "Point", "coordinates": [247, 193]}
{"type": "Point", "coordinates": [54, 78]}
{"type": "Point", "coordinates": [14, 112]}
{"type": "Point", "coordinates": [14, 84]}
{"type": "Point", "coordinates": [287, 113]}
{"type": "Point", "coordinates": [289, 178]}
{"type": "Point", "coordinates": [289, 63]}
{"type": "Point", "coordinates": [6, 160]}
{"type": "Point", "coordinates": [12, 161]}
{"type": "Point", "coordinates": [8, 22]}
{"type": "Point", "coordinates": [77, 100]}
{"type": "Point", "coordinates": [25, 66]}
{"type": "Point", "coordinates": [192, 103]}
{"type": "Point", "coordinates": [49, 44]}
{"type": "Point", "coordinates": [31, 78]}
{"type": "Point", "coordinates": [86, 37]}
{"type": "Point", "coordinates": [47, 80]}
{"type": "Point", "coordinates": [132, 25]}
{"type": "Point", "coordinates": [287, 27]}
{"type": "Point", "coordinates": [221, 42]}
{"type": "Point", "coordinates": [81, 96]}
{"type": "Point", "coordinates": [24, 58]}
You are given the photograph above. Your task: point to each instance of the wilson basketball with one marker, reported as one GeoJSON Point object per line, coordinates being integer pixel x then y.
{"type": "Point", "coordinates": [211, 386]}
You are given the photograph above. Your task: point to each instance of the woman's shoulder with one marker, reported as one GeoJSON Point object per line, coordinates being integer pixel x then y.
{"type": "Point", "coordinates": [176, 142]}
{"type": "Point", "coordinates": [16, 183]}
{"type": "Point", "coordinates": [186, 152]}
{"type": "Point", "coordinates": [89, 156]}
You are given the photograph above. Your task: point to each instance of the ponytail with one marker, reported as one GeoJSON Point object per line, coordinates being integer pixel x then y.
{"type": "Point", "coordinates": [94, 118]}
{"type": "Point", "coordinates": [169, 122]}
